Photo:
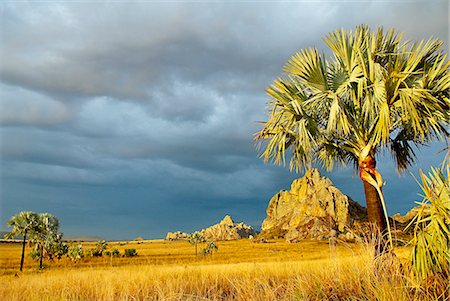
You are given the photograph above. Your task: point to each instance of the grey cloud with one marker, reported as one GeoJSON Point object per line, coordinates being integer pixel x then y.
{"type": "Point", "coordinates": [126, 55]}
{"type": "Point", "coordinates": [20, 106]}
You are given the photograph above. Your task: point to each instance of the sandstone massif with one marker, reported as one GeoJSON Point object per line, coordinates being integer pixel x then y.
{"type": "Point", "coordinates": [226, 229]}
{"type": "Point", "coordinates": [312, 209]}
{"type": "Point", "coordinates": [177, 235]}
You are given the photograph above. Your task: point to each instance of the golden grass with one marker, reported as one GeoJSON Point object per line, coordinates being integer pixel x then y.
{"type": "Point", "coordinates": [240, 270]}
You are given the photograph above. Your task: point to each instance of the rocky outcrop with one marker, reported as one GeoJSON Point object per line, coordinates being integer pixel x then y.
{"type": "Point", "coordinates": [404, 224]}
{"type": "Point", "coordinates": [407, 218]}
{"type": "Point", "coordinates": [227, 229]}
{"type": "Point", "coordinates": [177, 235]}
{"type": "Point", "coordinates": [312, 208]}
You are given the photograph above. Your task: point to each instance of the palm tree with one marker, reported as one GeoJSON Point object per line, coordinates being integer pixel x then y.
{"type": "Point", "coordinates": [195, 239]}
{"type": "Point", "coordinates": [376, 93]}
{"type": "Point", "coordinates": [23, 223]}
{"type": "Point", "coordinates": [46, 236]}
{"type": "Point", "coordinates": [100, 246]}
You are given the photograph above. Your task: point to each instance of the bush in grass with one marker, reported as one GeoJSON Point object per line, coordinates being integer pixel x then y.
{"type": "Point", "coordinates": [209, 249]}
{"type": "Point", "coordinates": [100, 247]}
{"type": "Point", "coordinates": [115, 252]}
{"type": "Point", "coordinates": [130, 252]}
{"type": "Point", "coordinates": [75, 252]}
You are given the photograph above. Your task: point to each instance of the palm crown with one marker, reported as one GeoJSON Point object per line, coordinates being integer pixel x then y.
{"type": "Point", "coordinates": [23, 223]}
{"type": "Point", "coordinates": [376, 91]}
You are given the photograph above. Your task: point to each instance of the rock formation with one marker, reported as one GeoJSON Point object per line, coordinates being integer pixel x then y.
{"type": "Point", "coordinates": [401, 223]}
{"type": "Point", "coordinates": [313, 208]}
{"type": "Point", "coordinates": [177, 235]}
{"type": "Point", "coordinates": [405, 219]}
{"type": "Point", "coordinates": [227, 229]}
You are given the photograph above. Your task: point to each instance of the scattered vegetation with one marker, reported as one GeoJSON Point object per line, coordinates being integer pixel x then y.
{"type": "Point", "coordinates": [242, 270]}
{"type": "Point", "coordinates": [115, 252]}
{"type": "Point", "coordinates": [42, 231]}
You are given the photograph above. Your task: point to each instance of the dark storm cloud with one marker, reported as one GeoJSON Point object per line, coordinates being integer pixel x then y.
{"type": "Point", "coordinates": [146, 111]}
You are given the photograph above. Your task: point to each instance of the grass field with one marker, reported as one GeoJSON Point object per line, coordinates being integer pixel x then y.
{"type": "Point", "coordinates": [240, 270]}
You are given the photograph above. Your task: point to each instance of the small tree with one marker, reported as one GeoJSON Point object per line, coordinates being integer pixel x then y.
{"type": "Point", "coordinates": [58, 248]}
{"type": "Point", "coordinates": [24, 223]}
{"type": "Point", "coordinates": [99, 248]}
{"type": "Point", "coordinates": [46, 237]}
{"type": "Point", "coordinates": [210, 248]}
{"type": "Point", "coordinates": [75, 252]}
{"type": "Point", "coordinates": [196, 238]}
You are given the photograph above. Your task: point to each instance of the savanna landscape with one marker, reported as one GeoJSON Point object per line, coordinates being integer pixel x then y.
{"type": "Point", "coordinates": [239, 270]}
{"type": "Point", "coordinates": [235, 268]}
{"type": "Point", "coordinates": [150, 126]}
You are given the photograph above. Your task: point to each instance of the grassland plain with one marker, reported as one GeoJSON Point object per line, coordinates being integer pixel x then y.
{"type": "Point", "coordinates": [240, 270]}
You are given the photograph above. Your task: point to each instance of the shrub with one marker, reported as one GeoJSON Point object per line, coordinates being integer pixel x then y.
{"type": "Point", "coordinates": [130, 252]}
{"type": "Point", "coordinates": [75, 252]}
{"type": "Point", "coordinates": [60, 249]}
{"type": "Point", "coordinates": [115, 252]}
{"type": "Point", "coordinates": [100, 246]}
{"type": "Point", "coordinates": [431, 241]}
{"type": "Point", "coordinates": [209, 249]}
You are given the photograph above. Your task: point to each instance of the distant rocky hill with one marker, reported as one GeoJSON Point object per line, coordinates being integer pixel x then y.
{"type": "Point", "coordinates": [226, 229]}
{"type": "Point", "coordinates": [312, 208]}
{"type": "Point", "coordinates": [178, 235]}
{"type": "Point", "coordinates": [401, 222]}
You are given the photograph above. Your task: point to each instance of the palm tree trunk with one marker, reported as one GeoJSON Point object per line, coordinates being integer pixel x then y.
{"type": "Point", "coordinates": [375, 212]}
{"type": "Point", "coordinates": [23, 250]}
{"type": "Point", "coordinates": [40, 259]}
{"type": "Point", "coordinates": [374, 207]}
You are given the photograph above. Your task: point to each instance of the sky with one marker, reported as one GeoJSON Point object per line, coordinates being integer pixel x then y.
{"type": "Point", "coordinates": [136, 118]}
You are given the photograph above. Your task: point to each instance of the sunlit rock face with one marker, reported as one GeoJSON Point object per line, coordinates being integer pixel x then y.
{"type": "Point", "coordinates": [312, 208]}
{"type": "Point", "coordinates": [227, 229]}
{"type": "Point", "coordinates": [177, 235]}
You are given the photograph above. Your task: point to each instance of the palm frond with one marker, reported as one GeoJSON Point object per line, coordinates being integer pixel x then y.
{"type": "Point", "coordinates": [375, 85]}
{"type": "Point", "coordinates": [431, 243]}
{"type": "Point", "coordinates": [310, 68]}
